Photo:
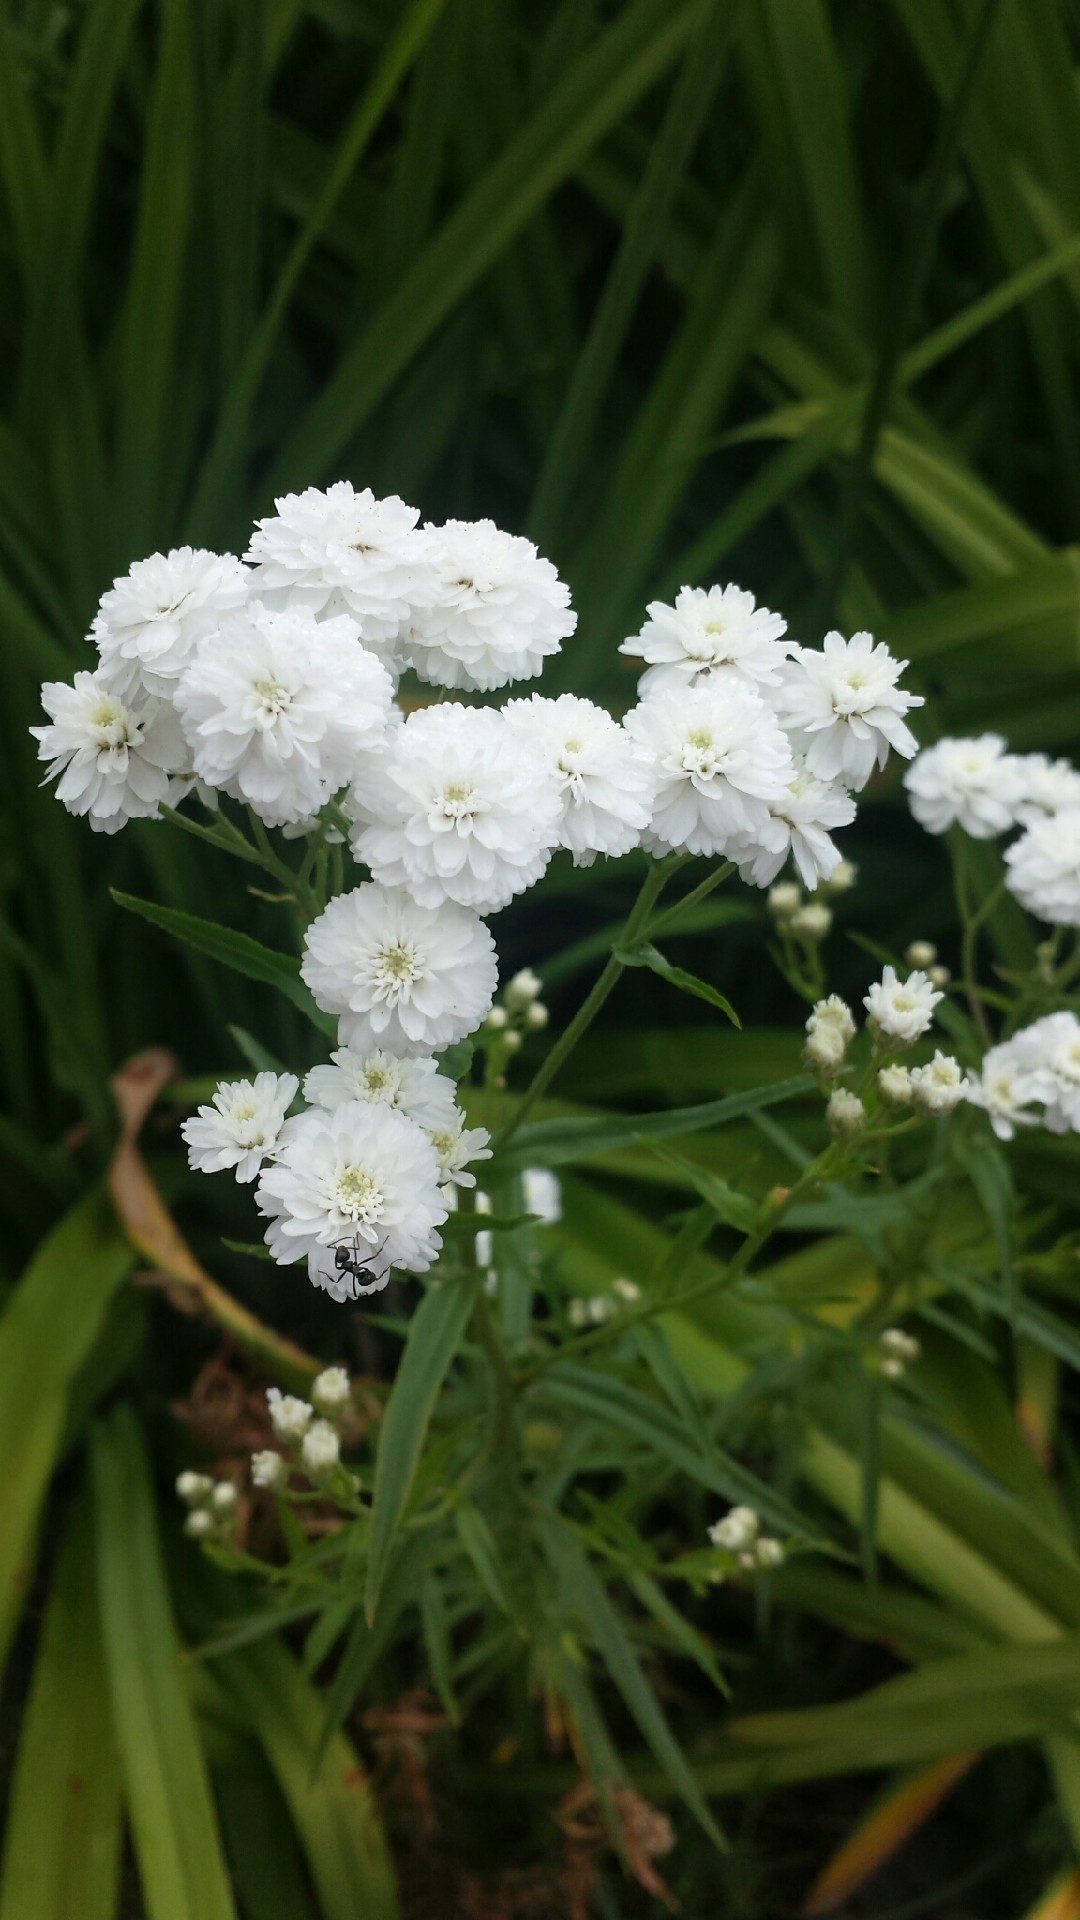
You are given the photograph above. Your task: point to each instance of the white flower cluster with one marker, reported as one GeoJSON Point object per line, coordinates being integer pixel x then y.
{"type": "Point", "coordinates": [739, 1533]}
{"type": "Point", "coordinates": [271, 681]}
{"type": "Point", "coordinates": [981, 787]}
{"type": "Point", "coordinates": [309, 1432]}
{"type": "Point", "coordinates": [1033, 1078]}
{"type": "Point", "coordinates": [211, 1505]}
{"type": "Point", "coordinates": [897, 1352]}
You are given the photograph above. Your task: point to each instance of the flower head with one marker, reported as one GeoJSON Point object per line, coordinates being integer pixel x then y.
{"type": "Point", "coordinates": [845, 707]}
{"type": "Point", "coordinates": [939, 1087]}
{"type": "Point", "coordinates": [112, 759]}
{"type": "Point", "coordinates": [330, 1391]}
{"type": "Point", "coordinates": [355, 1192]}
{"type": "Point", "coordinates": [1049, 786]}
{"type": "Point", "coordinates": [721, 761]}
{"type": "Point", "coordinates": [267, 1468]}
{"type": "Point", "coordinates": [973, 783]}
{"type": "Point", "coordinates": [242, 1126]}
{"type": "Point", "coordinates": [829, 1030]}
{"type": "Point", "coordinates": [289, 1416]}
{"type": "Point", "coordinates": [150, 621]}
{"type": "Point", "coordinates": [708, 631]}
{"type": "Point", "coordinates": [463, 808]}
{"type": "Point", "coordinates": [498, 611]}
{"type": "Point", "coordinates": [798, 823]}
{"type": "Point", "coordinates": [901, 1010]}
{"type": "Point", "coordinates": [457, 1146]}
{"type": "Point", "coordinates": [605, 779]}
{"type": "Point", "coordinates": [320, 1449]}
{"type": "Point", "coordinates": [340, 550]}
{"type": "Point", "coordinates": [1044, 868]}
{"type": "Point", "coordinates": [402, 977]}
{"type": "Point", "coordinates": [845, 1113]}
{"type": "Point", "coordinates": [737, 1530]}
{"type": "Point", "coordinates": [280, 707]}
{"type": "Point", "coordinates": [414, 1086]}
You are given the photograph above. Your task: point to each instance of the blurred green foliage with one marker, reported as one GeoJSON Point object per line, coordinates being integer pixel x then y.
{"type": "Point", "coordinates": [784, 291]}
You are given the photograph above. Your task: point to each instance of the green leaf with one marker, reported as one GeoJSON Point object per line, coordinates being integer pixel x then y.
{"type": "Point", "coordinates": [733, 1208]}
{"type": "Point", "coordinates": [435, 1334]}
{"type": "Point", "coordinates": [649, 956]}
{"type": "Point", "coordinates": [62, 1854]}
{"type": "Point", "coordinates": [47, 1332]}
{"type": "Point", "coordinates": [174, 1825]}
{"type": "Point", "coordinates": [552, 1143]}
{"type": "Point", "coordinates": [236, 950]}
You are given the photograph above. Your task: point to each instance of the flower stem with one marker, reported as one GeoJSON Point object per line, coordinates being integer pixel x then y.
{"type": "Point", "coordinates": [692, 899]}
{"type": "Point", "coordinates": [655, 880]}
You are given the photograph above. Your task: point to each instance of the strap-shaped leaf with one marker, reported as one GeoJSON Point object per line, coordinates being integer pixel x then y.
{"type": "Point", "coordinates": [553, 1143]}
{"type": "Point", "coordinates": [236, 950]}
{"type": "Point", "coordinates": [651, 957]}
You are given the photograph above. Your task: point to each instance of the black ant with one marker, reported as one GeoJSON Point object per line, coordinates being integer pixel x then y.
{"type": "Point", "coordinates": [349, 1257]}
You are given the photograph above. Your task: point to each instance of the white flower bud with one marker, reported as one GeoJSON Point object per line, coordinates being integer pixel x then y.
{"type": "Point", "coordinates": [536, 1016]}
{"type": "Point", "coordinates": [738, 1529]}
{"type": "Point", "coordinates": [921, 953]}
{"type": "Point", "coordinates": [899, 1345]}
{"type": "Point", "coordinates": [497, 1019]}
{"type": "Point", "coordinates": [330, 1391]}
{"type": "Point", "coordinates": [512, 1041]}
{"type": "Point", "coordinates": [199, 1524]}
{"type": "Point", "coordinates": [894, 1086]}
{"type": "Point", "coordinates": [811, 922]}
{"type": "Point", "coordinates": [267, 1468]}
{"type": "Point", "coordinates": [939, 1087]}
{"type": "Point", "coordinates": [223, 1498]}
{"type": "Point", "coordinates": [841, 879]}
{"type": "Point", "coordinates": [523, 989]}
{"type": "Point", "coordinates": [784, 899]}
{"type": "Point", "coordinates": [828, 1029]}
{"type": "Point", "coordinates": [845, 1113]}
{"type": "Point", "coordinates": [320, 1449]}
{"type": "Point", "coordinates": [768, 1552]}
{"type": "Point", "coordinates": [627, 1290]}
{"type": "Point", "coordinates": [939, 976]}
{"type": "Point", "coordinates": [289, 1417]}
{"type": "Point", "coordinates": [577, 1312]}
{"type": "Point", "coordinates": [601, 1307]}
{"type": "Point", "coordinates": [892, 1367]}
{"type": "Point", "coordinates": [194, 1488]}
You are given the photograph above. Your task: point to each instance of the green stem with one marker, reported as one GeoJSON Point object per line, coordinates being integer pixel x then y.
{"type": "Point", "coordinates": [655, 880]}
{"type": "Point", "coordinates": [692, 899]}
{"type": "Point", "coordinates": [971, 920]}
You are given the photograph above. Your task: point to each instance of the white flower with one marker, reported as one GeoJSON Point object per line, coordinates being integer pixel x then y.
{"type": "Point", "coordinates": [769, 1552]}
{"type": "Point", "coordinates": [938, 1088]}
{"type": "Point", "coordinates": [320, 1449]}
{"type": "Point", "coordinates": [606, 781]}
{"type": "Point", "coordinates": [721, 762]}
{"type": "Point", "coordinates": [845, 1113]}
{"type": "Point", "coordinates": [112, 760]}
{"type": "Point", "coordinates": [330, 1390]}
{"type": "Point", "coordinates": [973, 783]}
{"type": "Point", "coordinates": [150, 621]}
{"type": "Point", "coordinates": [901, 1010]}
{"type": "Point", "coordinates": [1044, 868]}
{"type": "Point", "coordinates": [356, 1191]}
{"type": "Point", "coordinates": [408, 978]}
{"type": "Point", "coordinates": [708, 630]}
{"type": "Point", "coordinates": [289, 1417]}
{"type": "Point", "coordinates": [462, 808]}
{"type": "Point", "coordinates": [343, 551]}
{"type": "Point", "coordinates": [498, 612]}
{"type": "Point", "coordinates": [457, 1146]}
{"type": "Point", "coordinates": [798, 823]}
{"type": "Point", "coordinates": [278, 708]}
{"type": "Point", "coordinates": [829, 1029]}
{"type": "Point", "coordinates": [242, 1126]}
{"type": "Point", "coordinates": [1003, 1089]}
{"type": "Point", "coordinates": [846, 706]}
{"type": "Point", "coordinates": [541, 1193]}
{"type": "Point", "coordinates": [738, 1529]}
{"type": "Point", "coordinates": [894, 1085]}
{"type": "Point", "coordinates": [1037, 1067]}
{"type": "Point", "coordinates": [414, 1086]}
{"type": "Point", "coordinates": [1049, 786]}
{"type": "Point", "coordinates": [267, 1468]}
{"type": "Point", "coordinates": [194, 1488]}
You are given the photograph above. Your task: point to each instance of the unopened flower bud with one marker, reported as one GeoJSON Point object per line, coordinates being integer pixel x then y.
{"type": "Point", "coordinates": [536, 1016]}
{"type": "Point", "coordinates": [845, 1114]}
{"type": "Point", "coordinates": [497, 1019]}
{"type": "Point", "coordinates": [512, 1041]}
{"type": "Point", "coordinates": [841, 879]}
{"type": "Point", "coordinates": [768, 1552]}
{"type": "Point", "coordinates": [921, 953]}
{"type": "Point", "coordinates": [899, 1345]}
{"type": "Point", "coordinates": [938, 976]}
{"type": "Point", "coordinates": [894, 1086]}
{"type": "Point", "coordinates": [811, 922]}
{"type": "Point", "coordinates": [784, 900]}
{"type": "Point", "coordinates": [627, 1290]}
{"type": "Point", "coordinates": [199, 1524]}
{"type": "Point", "coordinates": [320, 1449]}
{"type": "Point", "coordinates": [738, 1529]}
{"type": "Point", "coordinates": [330, 1391]}
{"type": "Point", "coordinates": [522, 990]}
{"type": "Point", "coordinates": [828, 1030]}
{"type": "Point", "coordinates": [267, 1468]}
{"type": "Point", "coordinates": [194, 1488]}
{"type": "Point", "coordinates": [223, 1498]}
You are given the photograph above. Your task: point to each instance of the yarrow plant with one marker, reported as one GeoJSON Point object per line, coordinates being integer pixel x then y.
{"type": "Point", "coordinates": [240, 696]}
